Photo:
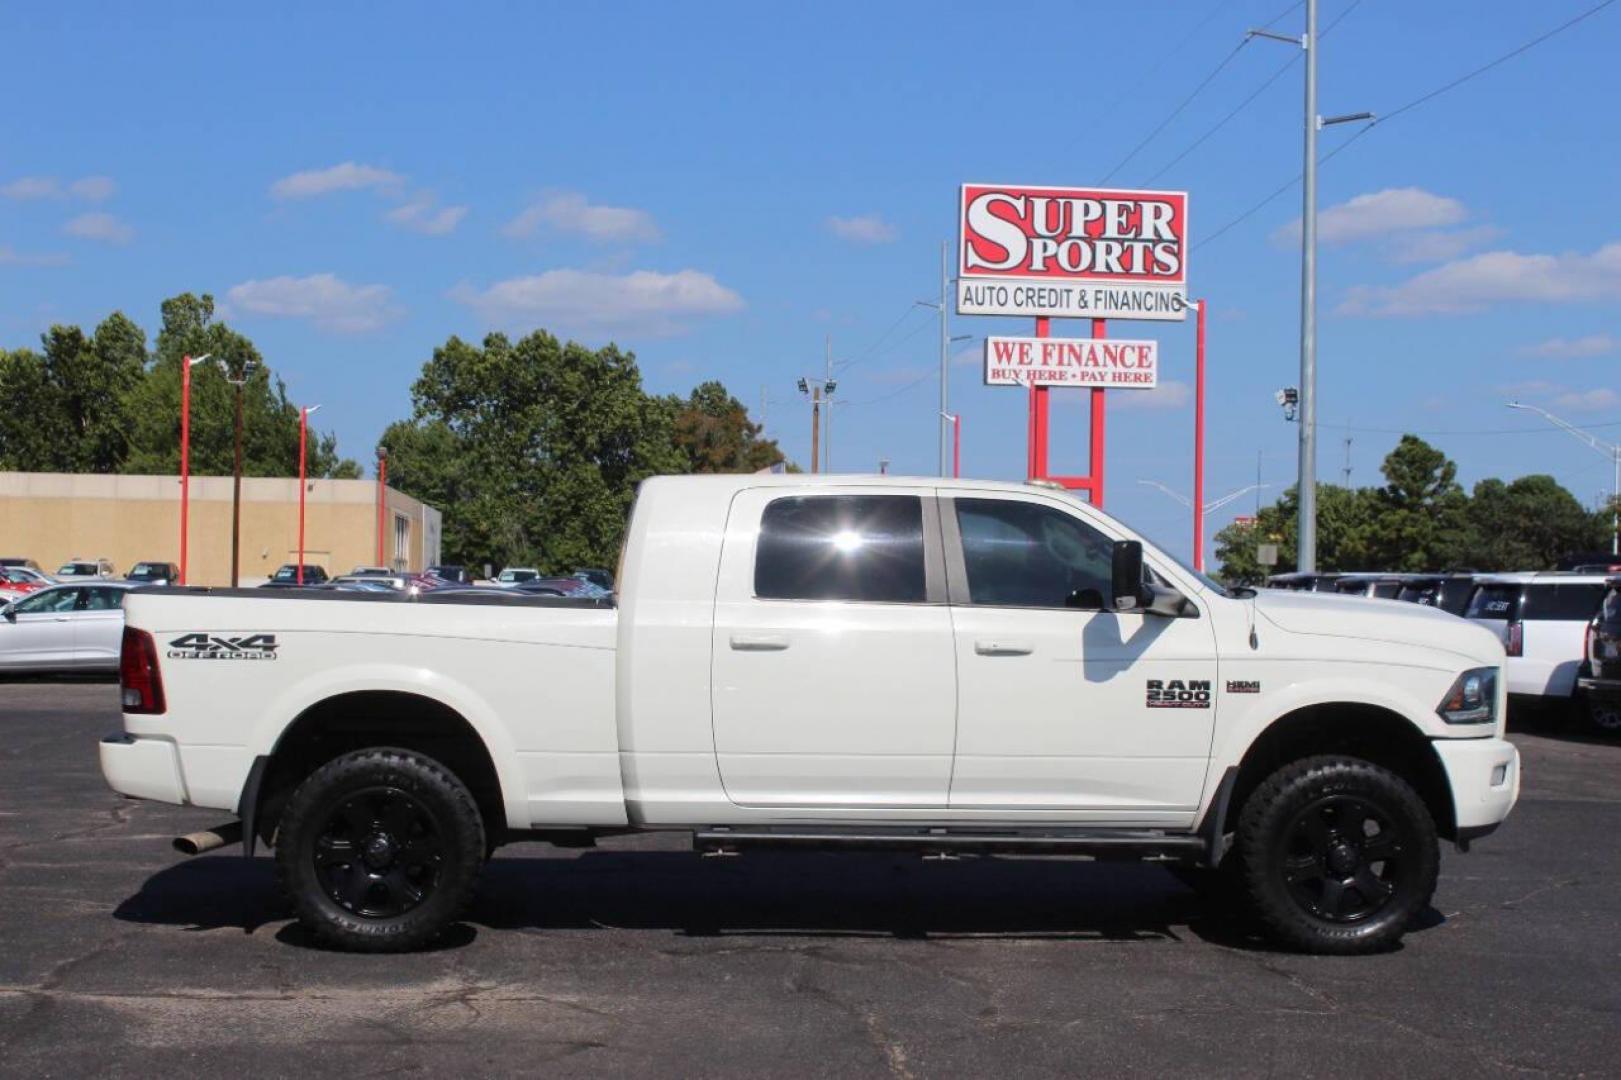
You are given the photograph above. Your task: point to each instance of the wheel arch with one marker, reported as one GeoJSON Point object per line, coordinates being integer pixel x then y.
{"type": "Point", "coordinates": [361, 719]}
{"type": "Point", "coordinates": [1370, 732]}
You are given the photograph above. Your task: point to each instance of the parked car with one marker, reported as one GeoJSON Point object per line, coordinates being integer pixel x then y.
{"type": "Point", "coordinates": [597, 576]}
{"type": "Point", "coordinates": [559, 586]}
{"type": "Point", "coordinates": [516, 575]}
{"type": "Point", "coordinates": [75, 627]}
{"type": "Point", "coordinates": [1303, 581]}
{"type": "Point", "coordinates": [371, 582]}
{"type": "Point", "coordinates": [17, 560]}
{"type": "Point", "coordinates": [18, 580]}
{"type": "Point", "coordinates": [1541, 619]}
{"type": "Point", "coordinates": [1600, 683]}
{"type": "Point", "coordinates": [1449, 592]}
{"type": "Point", "coordinates": [824, 662]}
{"type": "Point", "coordinates": [371, 571]}
{"type": "Point", "coordinates": [1382, 586]}
{"type": "Point", "coordinates": [451, 572]}
{"type": "Point", "coordinates": [153, 573]}
{"type": "Point", "coordinates": [286, 577]}
{"type": "Point", "coordinates": [85, 568]}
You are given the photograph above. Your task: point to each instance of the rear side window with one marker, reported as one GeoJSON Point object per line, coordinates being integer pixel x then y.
{"type": "Point", "coordinates": [1387, 590]}
{"type": "Point", "coordinates": [1420, 592]}
{"type": "Point", "coordinates": [841, 547]}
{"type": "Point", "coordinates": [1495, 602]}
{"type": "Point", "coordinates": [1561, 603]}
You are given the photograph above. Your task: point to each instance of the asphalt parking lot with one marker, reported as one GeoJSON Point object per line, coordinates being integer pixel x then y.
{"type": "Point", "coordinates": [118, 957]}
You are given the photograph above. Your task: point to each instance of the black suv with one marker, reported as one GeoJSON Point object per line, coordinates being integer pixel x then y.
{"type": "Point", "coordinates": [1449, 592]}
{"type": "Point", "coordinates": [286, 577]}
{"type": "Point", "coordinates": [1600, 683]}
{"type": "Point", "coordinates": [154, 573]}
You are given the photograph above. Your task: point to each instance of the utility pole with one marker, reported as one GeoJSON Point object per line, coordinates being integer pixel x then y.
{"type": "Point", "coordinates": [827, 381]}
{"type": "Point", "coordinates": [1258, 454]}
{"type": "Point", "coordinates": [816, 427]}
{"type": "Point", "coordinates": [236, 472]}
{"type": "Point", "coordinates": [1347, 469]}
{"type": "Point", "coordinates": [1307, 550]}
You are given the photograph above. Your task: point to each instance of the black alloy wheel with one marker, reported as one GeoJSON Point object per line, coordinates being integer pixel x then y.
{"type": "Point", "coordinates": [1344, 858]}
{"type": "Point", "coordinates": [380, 853]}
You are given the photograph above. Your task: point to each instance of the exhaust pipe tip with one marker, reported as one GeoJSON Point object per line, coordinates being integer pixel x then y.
{"type": "Point", "coordinates": [198, 842]}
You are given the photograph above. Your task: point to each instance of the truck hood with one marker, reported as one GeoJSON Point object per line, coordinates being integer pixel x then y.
{"type": "Point", "coordinates": [1378, 620]}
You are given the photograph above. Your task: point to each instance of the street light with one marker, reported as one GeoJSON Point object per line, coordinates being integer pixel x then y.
{"type": "Point", "coordinates": [186, 364]}
{"type": "Point", "coordinates": [1214, 504]}
{"type": "Point", "coordinates": [382, 496]}
{"type": "Point", "coordinates": [1609, 450]}
{"type": "Point", "coordinates": [241, 379]}
{"type": "Point", "coordinates": [303, 438]}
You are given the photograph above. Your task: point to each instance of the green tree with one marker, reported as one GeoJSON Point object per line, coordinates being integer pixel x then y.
{"type": "Point", "coordinates": [713, 430]}
{"type": "Point", "coordinates": [1528, 524]}
{"type": "Point", "coordinates": [1344, 519]}
{"type": "Point", "coordinates": [67, 406]}
{"type": "Point", "coordinates": [1418, 520]}
{"type": "Point", "coordinates": [533, 449]}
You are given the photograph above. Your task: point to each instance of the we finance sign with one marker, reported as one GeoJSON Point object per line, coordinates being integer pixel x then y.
{"type": "Point", "coordinates": [1082, 253]}
{"type": "Point", "coordinates": [1029, 361]}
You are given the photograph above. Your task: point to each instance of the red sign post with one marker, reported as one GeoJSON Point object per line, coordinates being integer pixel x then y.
{"type": "Point", "coordinates": [1050, 252]}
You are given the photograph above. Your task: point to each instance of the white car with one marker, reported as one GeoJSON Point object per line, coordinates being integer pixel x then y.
{"type": "Point", "coordinates": [76, 569]}
{"type": "Point", "coordinates": [832, 662]}
{"type": "Point", "coordinates": [516, 575]}
{"type": "Point", "coordinates": [64, 628]}
{"type": "Point", "coordinates": [1542, 620]}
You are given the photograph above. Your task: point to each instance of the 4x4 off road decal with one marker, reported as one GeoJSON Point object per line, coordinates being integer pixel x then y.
{"type": "Point", "coordinates": [223, 647]}
{"type": "Point", "coordinates": [1179, 694]}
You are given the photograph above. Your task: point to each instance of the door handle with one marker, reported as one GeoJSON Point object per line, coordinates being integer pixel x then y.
{"type": "Point", "coordinates": [60, 618]}
{"type": "Point", "coordinates": [1003, 648]}
{"type": "Point", "coordinates": [759, 642]}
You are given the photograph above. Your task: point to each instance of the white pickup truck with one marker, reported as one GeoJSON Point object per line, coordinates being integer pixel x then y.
{"type": "Point", "coordinates": [831, 662]}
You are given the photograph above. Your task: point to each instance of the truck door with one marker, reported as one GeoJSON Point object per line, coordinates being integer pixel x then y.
{"type": "Point", "coordinates": [833, 681]}
{"type": "Point", "coordinates": [1062, 705]}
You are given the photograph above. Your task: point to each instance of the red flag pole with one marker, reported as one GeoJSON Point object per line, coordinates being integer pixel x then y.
{"type": "Point", "coordinates": [1198, 439]}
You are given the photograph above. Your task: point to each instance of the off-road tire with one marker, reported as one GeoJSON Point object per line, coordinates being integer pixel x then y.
{"type": "Point", "coordinates": [380, 850]}
{"type": "Point", "coordinates": [1339, 855]}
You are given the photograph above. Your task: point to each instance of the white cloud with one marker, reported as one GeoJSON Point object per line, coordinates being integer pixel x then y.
{"type": "Point", "coordinates": [93, 188]}
{"type": "Point", "coordinates": [88, 188]}
{"type": "Point", "coordinates": [1379, 213]}
{"type": "Point", "coordinates": [643, 301]}
{"type": "Point", "coordinates": [571, 212]}
{"type": "Point", "coordinates": [863, 229]}
{"type": "Point", "coordinates": [323, 299]}
{"type": "Point", "coordinates": [1440, 245]}
{"type": "Point", "coordinates": [1598, 400]}
{"type": "Point", "coordinates": [1169, 394]}
{"type": "Point", "coordinates": [101, 227]}
{"type": "Point", "coordinates": [422, 215]}
{"type": "Point", "coordinates": [12, 257]}
{"type": "Point", "coordinates": [348, 176]}
{"type": "Point", "coordinates": [1559, 348]}
{"type": "Point", "coordinates": [1493, 278]}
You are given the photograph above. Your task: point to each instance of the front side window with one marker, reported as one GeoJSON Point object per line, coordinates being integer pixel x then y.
{"type": "Point", "coordinates": [51, 600]}
{"type": "Point", "coordinates": [842, 547]}
{"type": "Point", "coordinates": [1020, 554]}
{"type": "Point", "coordinates": [102, 599]}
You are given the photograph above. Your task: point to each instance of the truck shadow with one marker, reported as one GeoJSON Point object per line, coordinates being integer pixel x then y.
{"type": "Point", "coordinates": [760, 895]}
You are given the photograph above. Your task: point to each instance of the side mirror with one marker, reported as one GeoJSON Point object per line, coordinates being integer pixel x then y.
{"type": "Point", "coordinates": [1126, 576]}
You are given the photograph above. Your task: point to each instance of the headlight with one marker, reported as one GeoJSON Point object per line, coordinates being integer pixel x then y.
{"type": "Point", "coordinates": [1472, 699]}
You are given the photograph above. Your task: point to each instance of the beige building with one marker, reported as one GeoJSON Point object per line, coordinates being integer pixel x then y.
{"type": "Point", "coordinates": [54, 517]}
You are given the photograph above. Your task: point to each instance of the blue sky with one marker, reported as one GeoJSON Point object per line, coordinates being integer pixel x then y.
{"type": "Point", "coordinates": [721, 187]}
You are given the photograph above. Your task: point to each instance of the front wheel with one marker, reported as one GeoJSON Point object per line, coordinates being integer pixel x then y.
{"type": "Point", "coordinates": [1339, 855]}
{"type": "Point", "coordinates": [379, 850]}
{"type": "Point", "coordinates": [1602, 715]}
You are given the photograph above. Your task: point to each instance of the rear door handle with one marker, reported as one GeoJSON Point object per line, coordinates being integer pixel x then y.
{"type": "Point", "coordinates": [759, 642]}
{"type": "Point", "coordinates": [1003, 648]}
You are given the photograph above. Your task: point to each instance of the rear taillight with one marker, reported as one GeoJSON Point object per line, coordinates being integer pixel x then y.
{"type": "Point", "coordinates": [139, 680]}
{"type": "Point", "coordinates": [1515, 645]}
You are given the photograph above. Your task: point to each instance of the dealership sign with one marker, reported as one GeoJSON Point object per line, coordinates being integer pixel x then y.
{"type": "Point", "coordinates": [1084, 253]}
{"type": "Point", "coordinates": [1046, 361]}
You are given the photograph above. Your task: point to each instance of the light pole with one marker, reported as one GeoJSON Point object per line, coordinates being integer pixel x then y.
{"type": "Point", "coordinates": [382, 496]}
{"type": "Point", "coordinates": [1307, 551]}
{"type": "Point", "coordinates": [1609, 450]}
{"type": "Point", "coordinates": [1214, 504]}
{"type": "Point", "coordinates": [303, 439]}
{"type": "Point", "coordinates": [236, 470]}
{"type": "Point", "coordinates": [1200, 306]}
{"type": "Point", "coordinates": [186, 364]}
{"type": "Point", "coordinates": [815, 388]}
{"type": "Point", "coordinates": [955, 419]}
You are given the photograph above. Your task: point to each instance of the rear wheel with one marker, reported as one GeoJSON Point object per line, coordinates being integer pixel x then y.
{"type": "Point", "coordinates": [380, 849]}
{"type": "Point", "coordinates": [1339, 855]}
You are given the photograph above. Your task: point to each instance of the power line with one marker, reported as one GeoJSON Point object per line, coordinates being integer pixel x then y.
{"type": "Point", "coordinates": [1420, 100]}
{"type": "Point", "coordinates": [1257, 92]}
{"type": "Point", "coordinates": [1176, 111]}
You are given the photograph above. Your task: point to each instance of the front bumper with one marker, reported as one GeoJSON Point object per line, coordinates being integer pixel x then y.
{"type": "Point", "coordinates": [1484, 775]}
{"type": "Point", "coordinates": [143, 768]}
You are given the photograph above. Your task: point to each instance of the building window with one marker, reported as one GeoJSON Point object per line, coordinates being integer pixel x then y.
{"type": "Point", "coordinates": [402, 541]}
